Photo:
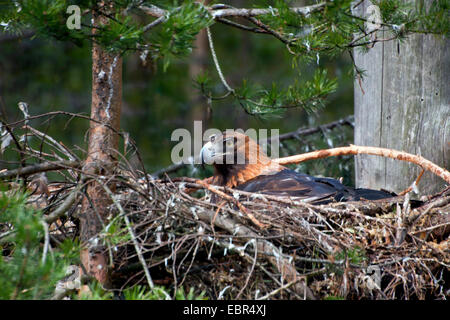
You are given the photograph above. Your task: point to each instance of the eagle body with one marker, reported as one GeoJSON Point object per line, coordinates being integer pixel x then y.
{"type": "Point", "coordinates": [240, 163]}
{"type": "Point", "coordinates": [312, 189]}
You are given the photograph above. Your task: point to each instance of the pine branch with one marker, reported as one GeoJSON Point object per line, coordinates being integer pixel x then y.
{"type": "Point", "coordinates": [157, 12]}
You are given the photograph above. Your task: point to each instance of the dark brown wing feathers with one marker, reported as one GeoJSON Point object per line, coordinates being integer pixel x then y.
{"type": "Point", "coordinates": [308, 188]}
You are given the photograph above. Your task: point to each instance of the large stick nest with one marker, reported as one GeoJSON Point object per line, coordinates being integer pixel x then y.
{"type": "Point", "coordinates": [252, 246]}
{"type": "Point", "coordinates": [243, 245]}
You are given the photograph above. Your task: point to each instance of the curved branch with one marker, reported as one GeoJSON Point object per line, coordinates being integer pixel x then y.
{"type": "Point", "coordinates": [383, 152]}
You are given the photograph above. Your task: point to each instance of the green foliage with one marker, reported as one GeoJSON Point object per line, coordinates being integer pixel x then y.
{"type": "Point", "coordinates": [332, 31]}
{"type": "Point", "coordinates": [181, 295]}
{"type": "Point", "coordinates": [45, 17]}
{"type": "Point", "coordinates": [160, 293]}
{"type": "Point", "coordinates": [25, 273]}
{"type": "Point", "coordinates": [70, 250]}
{"type": "Point", "coordinates": [327, 31]}
{"type": "Point", "coordinates": [96, 292]}
{"type": "Point", "coordinates": [356, 256]}
{"type": "Point", "coordinates": [143, 293]}
{"type": "Point", "coordinates": [315, 40]}
{"type": "Point", "coordinates": [8, 17]}
{"type": "Point", "coordinates": [175, 38]}
{"type": "Point", "coordinates": [334, 298]}
{"type": "Point", "coordinates": [115, 232]}
{"type": "Point", "coordinates": [121, 34]}
{"type": "Point", "coordinates": [309, 95]}
{"type": "Point", "coordinates": [434, 18]}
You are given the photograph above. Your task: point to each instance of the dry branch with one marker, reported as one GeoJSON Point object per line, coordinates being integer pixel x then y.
{"type": "Point", "coordinates": [273, 254]}
{"type": "Point", "coordinates": [65, 206]}
{"type": "Point", "coordinates": [300, 241]}
{"type": "Point", "coordinates": [230, 198]}
{"type": "Point", "coordinates": [37, 168]}
{"type": "Point", "coordinates": [355, 150]}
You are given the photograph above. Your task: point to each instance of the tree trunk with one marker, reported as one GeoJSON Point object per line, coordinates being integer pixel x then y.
{"type": "Point", "coordinates": [403, 105]}
{"type": "Point", "coordinates": [102, 157]}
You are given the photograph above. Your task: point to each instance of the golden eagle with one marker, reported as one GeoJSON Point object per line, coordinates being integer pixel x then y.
{"type": "Point", "coordinates": [240, 163]}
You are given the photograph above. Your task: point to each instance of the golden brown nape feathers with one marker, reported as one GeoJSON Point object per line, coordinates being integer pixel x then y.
{"type": "Point", "coordinates": [236, 158]}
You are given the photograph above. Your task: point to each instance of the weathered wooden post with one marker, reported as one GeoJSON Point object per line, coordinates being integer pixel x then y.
{"type": "Point", "coordinates": [404, 104]}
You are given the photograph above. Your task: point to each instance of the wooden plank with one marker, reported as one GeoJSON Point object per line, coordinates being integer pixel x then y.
{"type": "Point", "coordinates": [434, 131]}
{"type": "Point", "coordinates": [401, 110]}
{"type": "Point", "coordinates": [367, 97]}
{"type": "Point", "coordinates": [405, 107]}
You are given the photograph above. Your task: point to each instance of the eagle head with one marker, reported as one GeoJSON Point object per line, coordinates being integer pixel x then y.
{"type": "Point", "coordinates": [236, 158]}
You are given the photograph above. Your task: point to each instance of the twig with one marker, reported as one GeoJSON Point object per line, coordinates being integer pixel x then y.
{"type": "Point", "coordinates": [62, 209]}
{"type": "Point", "coordinates": [287, 285]}
{"type": "Point", "coordinates": [416, 214]}
{"type": "Point", "coordinates": [283, 287]}
{"type": "Point", "coordinates": [46, 242]}
{"type": "Point", "coordinates": [19, 147]}
{"type": "Point", "coordinates": [413, 185]}
{"type": "Point", "coordinates": [241, 26]}
{"type": "Point", "coordinates": [56, 113]}
{"type": "Point", "coordinates": [41, 167]}
{"type": "Point", "coordinates": [216, 62]}
{"type": "Point", "coordinates": [154, 23]}
{"type": "Point", "coordinates": [133, 237]}
{"type": "Point", "coordinates": [357, 70]}
{"type": "Point", "coordinates": [253, 241]}
{"type": "Point", "coordinates": [236, 202]}
{"type": "Point", "coordinates": [242, 12]}
{"type": "Point", "coordinates": [268, 30]}
{"type": "Point", "coordinates": [272, 253]}
{"type": "Point", "coordinates": [176, 166]}
{"type": "Point", "coordinates": [431, 228]}
{"type": "Point", "coordinates": [59, 146]}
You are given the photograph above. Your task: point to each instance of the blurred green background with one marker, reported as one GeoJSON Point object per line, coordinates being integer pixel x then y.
{"type": "Point", "coordinates": [51, 75]}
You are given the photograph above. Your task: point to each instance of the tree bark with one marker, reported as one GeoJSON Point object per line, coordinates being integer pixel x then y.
{"type": "Point", "coordinates": [101, 158]}
{"type": "Point", "coordinates": [403, 105]}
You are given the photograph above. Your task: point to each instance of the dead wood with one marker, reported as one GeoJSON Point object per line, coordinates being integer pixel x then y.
{"type": "Point", "coordinates": [355, 150]}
